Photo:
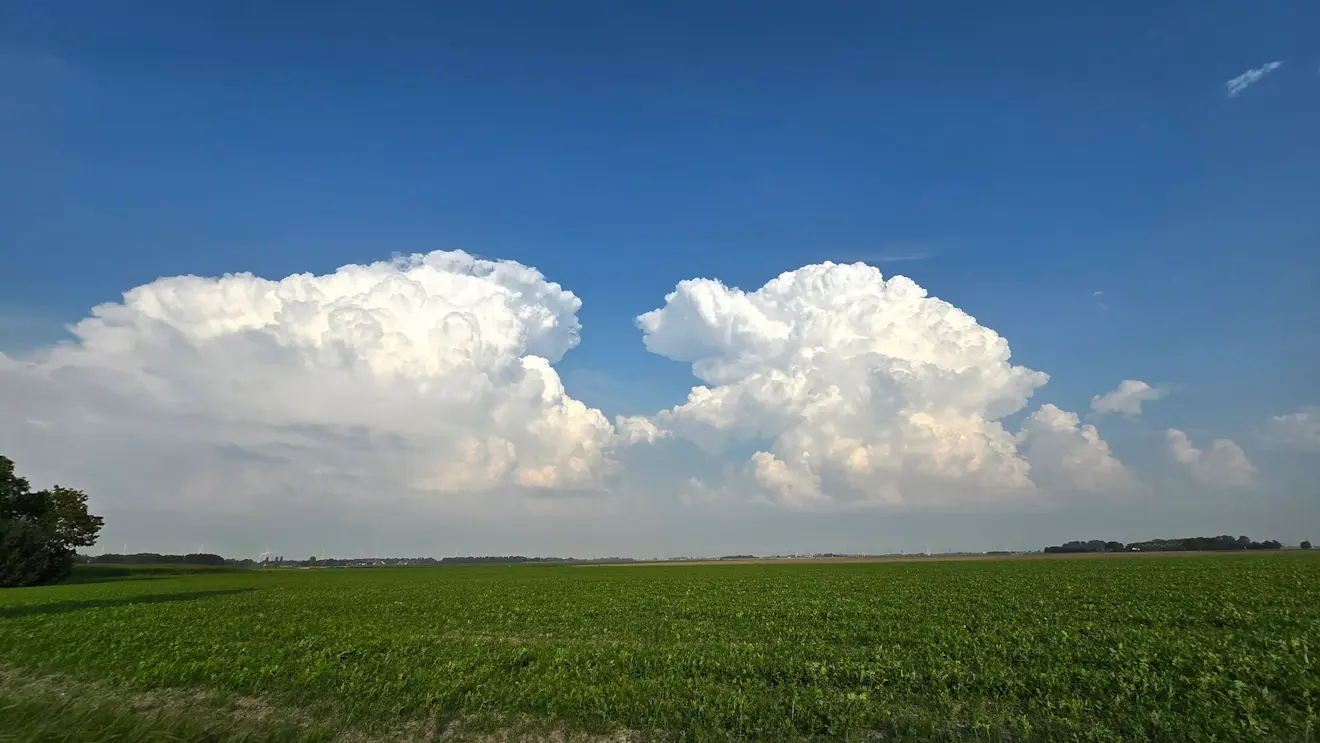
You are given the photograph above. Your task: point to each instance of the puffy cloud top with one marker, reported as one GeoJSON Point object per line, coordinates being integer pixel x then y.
{"type": "Point", "coordinates": [1127, 398]}
{"type": "Point", "coordinates": [415, 317]}
{"type": "Point", "coordinates": [447, 353]}
{"type": "Point", "coordinates": [1066, 455]}
{"type": "Point", "coordinates": [864, 388]}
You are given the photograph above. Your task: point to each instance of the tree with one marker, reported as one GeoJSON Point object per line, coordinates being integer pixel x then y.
{"type": "Point", "coordinates": [39, 530]}
{"type": "Point", "coordinates": [1306, 544]}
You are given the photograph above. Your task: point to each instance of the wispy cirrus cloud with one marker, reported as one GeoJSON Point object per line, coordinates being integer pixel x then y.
{"type": "Point", "coordinates": [1240, 83]}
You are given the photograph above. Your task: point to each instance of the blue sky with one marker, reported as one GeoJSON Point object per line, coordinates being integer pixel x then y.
{"type": "Point", "coordinates": [1013, 159]}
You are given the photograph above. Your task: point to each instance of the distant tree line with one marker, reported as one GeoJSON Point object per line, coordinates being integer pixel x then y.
{"type": "Point", "coordinates": [209, 559]}
{"type": "Point", "coordinates": [153, 558]}
{"type": "Point", "coordinates": [1222, 543]}
{"type": "Point", "coordinates": [357, 562]}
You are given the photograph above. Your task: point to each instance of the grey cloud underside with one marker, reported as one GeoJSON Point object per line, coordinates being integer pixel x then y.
{"type": "Point", "coordinates": [424, 385]}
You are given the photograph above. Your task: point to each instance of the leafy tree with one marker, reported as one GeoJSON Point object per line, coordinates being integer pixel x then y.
{"type": "Point", "coordinates": [1306, 544]}
{"type": "Point", "coordinates": [28, 557]}
{"type": "Point", "coordinates": [39, 530]}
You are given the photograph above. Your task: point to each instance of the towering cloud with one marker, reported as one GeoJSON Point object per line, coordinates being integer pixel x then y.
{"type": "Point", "coordinates": [1066, 455]}
{"type": "Point", "coordinates": [430, 373]}
{"type": "Point", "coordinates": [852, 388]}
{"type": "Point", "coordinates": [1223, 465]}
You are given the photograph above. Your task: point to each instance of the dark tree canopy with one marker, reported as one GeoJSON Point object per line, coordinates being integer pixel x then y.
{"type": "Point", "coordinates": [40, 529]}
{"type": "Point", "coordinates": [1223, 542]}
{"type": "Point", "coordinates": [1306, 544]}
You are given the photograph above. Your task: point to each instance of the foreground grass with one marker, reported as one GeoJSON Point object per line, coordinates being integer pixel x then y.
{"type": "Point", "coordinates": [80, 720]}
{"type": "Point", "coordinates": [1187, 648]}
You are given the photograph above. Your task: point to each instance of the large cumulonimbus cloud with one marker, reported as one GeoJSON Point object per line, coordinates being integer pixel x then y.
{"type": "Point", "coordinates": [431, 373]}
{"type": "Point", "coordinates": [430, 377]}
{"type": "Point", "coordinates": [854, 388]}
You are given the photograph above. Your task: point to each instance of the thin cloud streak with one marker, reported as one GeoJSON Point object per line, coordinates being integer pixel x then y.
{"type": "Point", "coordinates": [879, 257]}
{"type": "Point", "coordinates": [902, 258]}
{"type": "Point", "coordinates": [1240, 83]}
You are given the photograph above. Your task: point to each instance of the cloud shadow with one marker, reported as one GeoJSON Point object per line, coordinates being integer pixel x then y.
{"type": "Point", "coordinates": [66, 607]}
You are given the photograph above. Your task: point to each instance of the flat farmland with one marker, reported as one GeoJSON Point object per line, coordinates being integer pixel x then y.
{"type": "Point", "coordinates": [1186, 648]}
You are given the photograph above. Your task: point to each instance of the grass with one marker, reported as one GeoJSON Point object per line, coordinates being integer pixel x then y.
{"type": "Point", "coordinates": [1145, 649]}
{"type": "Point", "coordinates": [106, 718]}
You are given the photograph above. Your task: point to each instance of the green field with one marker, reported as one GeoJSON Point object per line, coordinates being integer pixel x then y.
{"type": "Point", "coordinates": [1195, 648]}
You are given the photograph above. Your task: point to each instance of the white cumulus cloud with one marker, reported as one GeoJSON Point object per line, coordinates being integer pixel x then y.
{"type": "Point", "coordinates": [1299, 431]}
{"type": "Point", "coordinates": [1127, 398]}
{"type": "Point", "coordinates": [1240, 83]}
{"type": "Point", "coordinates": [417, 398]}
{"type": "Point", "coordinates": [424, 374]}
{"type": "Point", "coordinates": [852, 388]}
{"type": "Point", "coordinates": [1066, 455]}
{"type": "Point", "coordinates": [1223, 465]}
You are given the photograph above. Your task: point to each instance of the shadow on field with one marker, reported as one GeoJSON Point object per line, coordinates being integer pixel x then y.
{"type": "Point", "coordinates": [100, 573]}
{"type": "Point", "coordinates": [76, 579]}
{"type": "Point", "coordinates": [65, 607]}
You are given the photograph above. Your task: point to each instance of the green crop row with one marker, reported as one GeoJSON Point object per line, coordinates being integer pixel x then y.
{"type": "Point", "coordinates": [1148, 649]}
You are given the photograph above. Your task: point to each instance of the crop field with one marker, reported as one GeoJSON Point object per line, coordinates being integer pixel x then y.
{"type": "Point", "coordinates": [1196, 648]}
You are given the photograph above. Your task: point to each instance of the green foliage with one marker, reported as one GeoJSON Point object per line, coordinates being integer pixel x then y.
{"type": "Point", "coordinates": [39, 530]}
{"type": "Point", "coordinates": [1098, 649]}
{"type": "Point", "coordinates": [28, 556]}
{"type": "Point", "coordinates": [153, 558]}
